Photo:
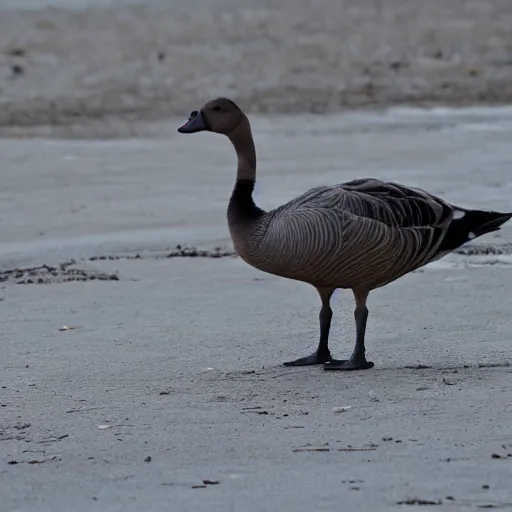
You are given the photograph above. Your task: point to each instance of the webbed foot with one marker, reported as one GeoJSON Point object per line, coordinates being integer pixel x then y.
{"type": "Point", "coordinates": [315, 358]}
{"type": "Point", "coordinates": [351, 364]}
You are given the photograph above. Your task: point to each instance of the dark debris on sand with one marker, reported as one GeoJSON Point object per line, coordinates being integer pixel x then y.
{"type": "Point", "coordinates": [180, 251]}
{"type": "Point", "coordinates": [46, 274]}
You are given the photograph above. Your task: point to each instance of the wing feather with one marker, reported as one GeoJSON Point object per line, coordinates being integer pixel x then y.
{"type": "Point", "coordinates": [363, 231]}
{"type": "Point", "coordinates": [390, 203]}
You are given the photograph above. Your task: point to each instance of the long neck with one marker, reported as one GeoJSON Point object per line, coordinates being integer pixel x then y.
{"type": "Point", "coordinates": [242, 140]}
{"type": "Point", "coordinates": [242, 204]}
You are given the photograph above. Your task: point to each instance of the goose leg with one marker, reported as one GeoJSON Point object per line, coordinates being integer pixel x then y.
{"type": "Point", "coordinates": [357, 360]}
{"type": "Point", "coordinates": [322, 354]}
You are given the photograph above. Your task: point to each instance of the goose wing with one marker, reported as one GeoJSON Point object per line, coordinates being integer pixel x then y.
{"type": "Point", "coordinates": [389, 203]}
{"type": "Point", "coordinates": [361, 233]}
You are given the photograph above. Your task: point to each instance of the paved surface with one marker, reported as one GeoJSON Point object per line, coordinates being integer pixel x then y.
{"type": "Point", "coordinates": [178, 360]}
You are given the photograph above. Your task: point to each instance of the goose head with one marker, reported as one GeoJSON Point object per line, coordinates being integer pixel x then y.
{"type": "Point", "coordinates": [219, 116]}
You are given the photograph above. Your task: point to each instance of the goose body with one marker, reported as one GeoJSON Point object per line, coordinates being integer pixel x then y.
{"type": "Point", "coordinates": [362, 234]}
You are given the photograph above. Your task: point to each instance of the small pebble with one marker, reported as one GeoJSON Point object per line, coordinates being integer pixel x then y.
{"type": "Point", "coordinates": [373, 396]}
{"type": "Point", "coordinates": [211, 482]}
{"type": "Point", "coordinates": [17, 70]}
{"type": "Point", "coordinates": [337, 410]}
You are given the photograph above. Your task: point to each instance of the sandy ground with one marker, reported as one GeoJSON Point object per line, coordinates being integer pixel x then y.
{"type": "Point", "coordinates": [171, 374]}
{"type": "Point", "coordinates": [150, 60]}
{"type": "Point", "coordinates": [181, 363]}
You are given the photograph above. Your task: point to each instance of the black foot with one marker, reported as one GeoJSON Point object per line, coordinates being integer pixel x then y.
{"type": "Point", "coordinates": [315, 358]}
{"type": "Point", "coordinates": [351, 364]}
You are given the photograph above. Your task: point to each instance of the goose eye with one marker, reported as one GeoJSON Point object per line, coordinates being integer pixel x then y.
{"type": "Point", "coordinates": [216, 108]}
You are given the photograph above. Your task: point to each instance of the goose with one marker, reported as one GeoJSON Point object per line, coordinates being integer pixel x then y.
{"type": "Point", "coordinates": [358, 235]}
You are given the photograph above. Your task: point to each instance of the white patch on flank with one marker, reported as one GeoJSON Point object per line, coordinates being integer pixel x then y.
{"type": "Point", "coordinates": [458, 214]}
{"type": "Point", "coordinates": [471, 235]}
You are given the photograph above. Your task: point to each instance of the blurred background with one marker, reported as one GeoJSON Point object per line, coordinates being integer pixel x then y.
{"type": "Point", "coordinates": [117, 63]}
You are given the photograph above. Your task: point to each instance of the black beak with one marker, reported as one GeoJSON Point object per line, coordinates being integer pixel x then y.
{"type": "Point", "coordinates": [196, 123]}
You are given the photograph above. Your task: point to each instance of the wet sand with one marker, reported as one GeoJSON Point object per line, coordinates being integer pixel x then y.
{"type": "Point", "coordinates": [128, 63]}
{"type": "Point", "coordinates": [169, 373]}
{"type": "Point", "coordinates": [68, 199]}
